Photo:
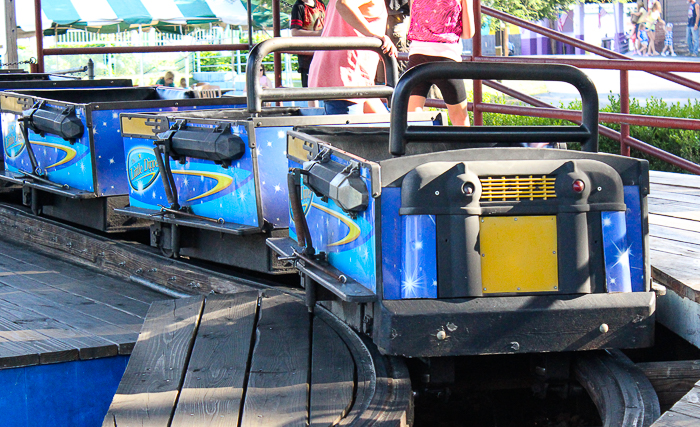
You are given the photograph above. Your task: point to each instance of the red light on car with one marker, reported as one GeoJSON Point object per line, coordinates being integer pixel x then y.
{"type": "Point", "coordinates": [578, 186]}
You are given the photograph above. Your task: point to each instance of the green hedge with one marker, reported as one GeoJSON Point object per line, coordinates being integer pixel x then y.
{"type": "Point", "coordinates": [683, 143]}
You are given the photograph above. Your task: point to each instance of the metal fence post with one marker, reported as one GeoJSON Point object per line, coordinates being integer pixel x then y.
{"type": "Point", "coordinates": [476, 53]}
{"type": "Point", "coordinates": [624, 109]}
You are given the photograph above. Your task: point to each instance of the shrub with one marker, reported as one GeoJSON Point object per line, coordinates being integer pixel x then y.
{"type": "Point", "coordinates": [683, 143]}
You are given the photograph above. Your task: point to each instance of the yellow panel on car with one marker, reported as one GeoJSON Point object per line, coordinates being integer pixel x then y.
{"type": "Point", "coordinates": [518, 254]}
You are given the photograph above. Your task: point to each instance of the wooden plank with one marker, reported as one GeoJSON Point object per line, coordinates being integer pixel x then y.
{"type": "Point", "coordinates": [676, 210]}
{"type": "Point", "coordinates": [675, 247]}
{"type": "Point", "coordinates": [332, 376]}
{"type": "Point", "coordinates": [690, 404]}
{"type": "Point", "coordinates": [661, 188]}
{"type": "Point", "coordinates": [683, 268]}
{"type": "Point", "coordinates": [676, 179]}
{"type": "Point", "coordinates": [213, 389]}
{"type": "Point", "coordinates": [277, 386]}
{"type": "Point", "coordinates": [678, 223]}
{"type": "Point", "coordinates": [118, 259]}
{"type": "Point", "coordinates": [671, 380]}
{"type": "Point", "coordinates": [73, 302]}
{"type": "Point", "coordinates": [150, 386]}
{"type": "Point", "coordinates": [51, 340]}
{"type": "Point", "coordinates": [674, 419]}
{"type": "Point", "coordinates": [674, 234]}
{"type": "Point", "coordinates": [53, 279]}
{"type": "Point", "coordinates": [84, 275]}
{"type": "Point", "coordinates": [115, 336]}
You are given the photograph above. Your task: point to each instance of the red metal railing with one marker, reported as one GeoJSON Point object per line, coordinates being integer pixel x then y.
{"type": "Point", "coordinates": [613, 61]}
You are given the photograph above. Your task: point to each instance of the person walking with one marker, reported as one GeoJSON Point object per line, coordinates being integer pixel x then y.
{"type": "Point", "coordinates": [307, 20]}
{"type": "Point", "coordinates": [332, 68]}
{"type": "Point", "coordinates": [435, 32]}
{"type": "Point", "coordinates": [668, 41]}
{"type": "Point", "coordinates": [691, 32]}
{"type": "Point", "coordinates": [638, 18]}
{"type": "Point", "coordinates": [653, 17]}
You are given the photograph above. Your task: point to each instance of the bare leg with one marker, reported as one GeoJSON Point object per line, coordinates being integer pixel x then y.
{"type": "Point", "coordinates": [652, 43]}
{"type": "Point", "coordinates": [416, 103]}
{"type": "Point", "coordinates": [374, 105]}
{"type": "Point", "coordinates": [458, 114]}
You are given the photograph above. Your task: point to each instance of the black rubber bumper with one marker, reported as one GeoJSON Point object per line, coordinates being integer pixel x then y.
{"type": "Point", "coordinates": [513, 324]}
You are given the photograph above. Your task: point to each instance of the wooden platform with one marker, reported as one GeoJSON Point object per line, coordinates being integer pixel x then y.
{"type": "Point", "coordinates": [255, 358]}
{"type": "Point", "coordinates": [52, 311]}
{"type": "Point", "coordinates": [674, 228]}
{"type": "Point", "coordinates": [685, 413]}
{"type": "Point", "coordinates": [674, 225]}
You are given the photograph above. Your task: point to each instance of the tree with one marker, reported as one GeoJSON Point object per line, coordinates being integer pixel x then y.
{"type": "Point", "coordinates": [531, 10]}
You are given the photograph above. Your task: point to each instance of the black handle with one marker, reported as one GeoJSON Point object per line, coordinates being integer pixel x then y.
{"type": "Point", "coordinates": [166, 175]}
{"type": "Point", "coordinates": [401, 133]}
{"type": "Point", "coordinates": [256, 96]}
{"type": "Point", "coordinates": [62, 122]}
{"type": "Point", "coordinates": [302, 228]}
{"type": "Point", "coordinates": [217, 144]}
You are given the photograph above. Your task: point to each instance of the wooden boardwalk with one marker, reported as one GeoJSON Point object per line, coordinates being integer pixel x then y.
{"type": "Point", "coordinates": [674, 236]}
{"type": "Point", "coordinates": [52, 311]}
{"type": "Point", "coordinates": [255, 358]}
{"type": "Point", "coordinates": [674, 228]}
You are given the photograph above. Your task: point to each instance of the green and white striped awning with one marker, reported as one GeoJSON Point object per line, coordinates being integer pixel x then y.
{"type": "Point", "coordinates": [121, 15]}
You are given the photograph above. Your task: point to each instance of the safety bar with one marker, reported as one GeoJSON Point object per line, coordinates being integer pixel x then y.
{"type": "Point", "coordinates": [62, 122]}
{"type": "Point", "coordinates": [256, 95]}
{"type": "Point", "coordinates": [401, 133]}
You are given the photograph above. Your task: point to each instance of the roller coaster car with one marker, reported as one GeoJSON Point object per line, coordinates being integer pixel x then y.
{"type": "Point", "coordinates": [73, 167]}
{"type": "Point", "coordinates": [436, 249]}
{"type": "Point", "coordinates": [215, 185]}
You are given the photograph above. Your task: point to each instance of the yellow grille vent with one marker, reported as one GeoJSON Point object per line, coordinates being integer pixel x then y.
{"type": "Point", "coordinates": [507, 188]}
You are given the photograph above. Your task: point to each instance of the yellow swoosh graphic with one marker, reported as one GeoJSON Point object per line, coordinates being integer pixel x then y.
{"type": "Point", "coordinates": [222, 181]}
{"type": "Point", "coordinates": [14, 144]}
{"type": "Point", "coordinates": [151, 174]}
{"type": "Point", "coordinates": [354, 231]}
{"type": "Point", "coordinates": [70, 153]}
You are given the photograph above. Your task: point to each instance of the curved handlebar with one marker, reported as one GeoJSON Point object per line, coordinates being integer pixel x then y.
{"type": "Point", "coordinates": [401, 133]}
{"type": "Point", "coordinates": [256, 96]}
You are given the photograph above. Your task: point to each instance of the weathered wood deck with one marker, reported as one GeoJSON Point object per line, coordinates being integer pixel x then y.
{"type": "Point", "coordinates": [674, 236]}
{"type": "Point", "coordinates": [674, 229]}
{"type": "Point", "coordinates": [52, 311]}
{"type": "Point", "coordinates": [254, 358]}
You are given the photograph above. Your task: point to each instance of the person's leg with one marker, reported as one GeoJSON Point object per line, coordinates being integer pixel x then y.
{"type": "Point", "coordinates": [304, 76]}
{"type": "Point", "coordinates": [458, 114]}
{"type": "Point", "coordinates": [373, 106]}
{"type": "Point", "coordinates": [689, 38]}
{"type": "Point", "coordinates": [695, 32]}
{"type": "Point", "coordinates": [416, 103]}
{"type": "Point", "coordinates": [455, 94]}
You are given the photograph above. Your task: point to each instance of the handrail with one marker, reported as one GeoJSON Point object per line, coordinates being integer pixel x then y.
{"type": "Point", "coordinates": [579, 43]}
{"type": "Point", "coordinates": [255, 94]}
{"type": "Point", "coordinates": [401, 133]}
{"type": "Point", "coordinates": [614, 61]}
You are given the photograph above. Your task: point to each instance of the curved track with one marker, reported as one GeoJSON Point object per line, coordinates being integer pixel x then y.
{"type": "Point", "coordinates": [382, 393]}
{"type": "Point", "coordinates": [623, 395]}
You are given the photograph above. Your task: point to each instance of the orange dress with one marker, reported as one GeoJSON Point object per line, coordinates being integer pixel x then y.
{"type": "Point", "coordinates": [334, 68]}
